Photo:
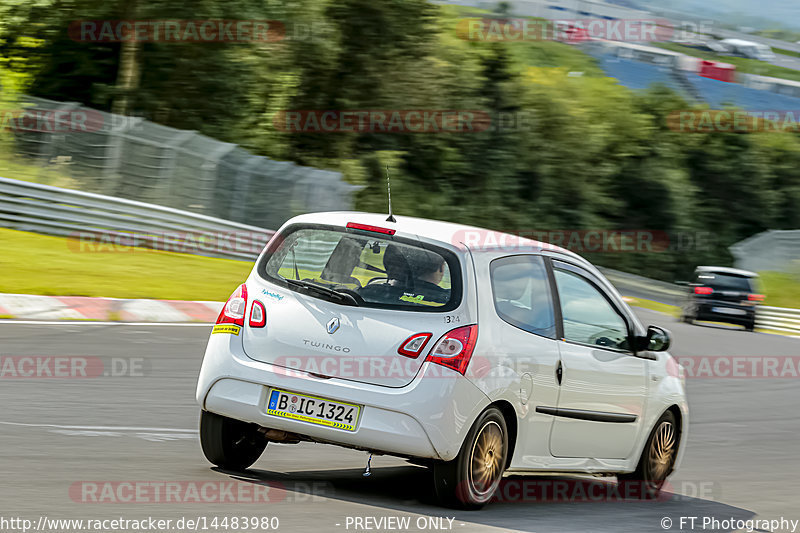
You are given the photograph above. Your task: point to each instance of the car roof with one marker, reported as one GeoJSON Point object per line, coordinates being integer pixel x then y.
{"type": "Point", "coordinates": [727, 270]}
{"type": "Point", "coordinates": [437, 230]}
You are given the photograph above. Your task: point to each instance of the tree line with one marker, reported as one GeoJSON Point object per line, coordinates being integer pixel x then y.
{"type": "Point", "coordinates": [565, 148]}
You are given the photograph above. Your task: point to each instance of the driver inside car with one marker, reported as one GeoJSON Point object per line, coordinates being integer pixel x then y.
{"type": "Point", "coordinates": [429, 268]}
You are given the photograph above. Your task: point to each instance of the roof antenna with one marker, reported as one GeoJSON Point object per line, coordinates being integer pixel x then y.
{"type": "Point", "coordinates": [389, 189]}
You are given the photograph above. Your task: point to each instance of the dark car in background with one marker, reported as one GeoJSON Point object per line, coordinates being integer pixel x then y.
{"type": "Point", "coordinates": [722, 294]}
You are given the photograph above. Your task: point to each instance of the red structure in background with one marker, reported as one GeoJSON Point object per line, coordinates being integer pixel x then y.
{"type": "Point", "coordinates": [717, 71]}
{"type": "Point", "coordinates": [576, 35]}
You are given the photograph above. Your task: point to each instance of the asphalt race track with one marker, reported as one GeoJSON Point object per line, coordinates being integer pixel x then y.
{"type": "Point", "coordinates": [62, 439]}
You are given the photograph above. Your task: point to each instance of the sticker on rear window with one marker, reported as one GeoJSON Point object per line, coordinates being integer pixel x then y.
{"type": "Point", "coordinates": [226, 328]}
{"type": "Point", "coordinates": [418, 299]}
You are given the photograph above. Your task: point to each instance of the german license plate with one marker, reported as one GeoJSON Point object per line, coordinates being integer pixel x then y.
{"type": "Point", "coordinates": [727, 311]}
{"type": "Point", "coordinates": [313, 409]}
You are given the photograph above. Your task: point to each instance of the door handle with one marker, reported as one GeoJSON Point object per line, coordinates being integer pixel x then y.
{"type": "Point", "coordinates": [559, 372]}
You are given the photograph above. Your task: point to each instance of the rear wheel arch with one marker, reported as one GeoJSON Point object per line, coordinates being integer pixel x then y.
{"type": "Point", "coordinates": [470, 480]}
{"type": "Point", "coordinates": [510, 416]}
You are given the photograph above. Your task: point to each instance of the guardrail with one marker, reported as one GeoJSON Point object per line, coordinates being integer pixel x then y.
{"type": "Point", "coordinates": [642, 287]}
{"type": "Point", "coordinates": [98, 223]}
{"type": "Point", "coordinates": [778, 319]}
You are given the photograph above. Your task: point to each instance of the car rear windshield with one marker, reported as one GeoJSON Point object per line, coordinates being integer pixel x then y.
{"type": "Point", "coordinates": [364, 268]}
{"type": "Point", "coordinates": [724, 282]}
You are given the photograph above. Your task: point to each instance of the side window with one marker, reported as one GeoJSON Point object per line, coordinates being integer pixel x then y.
{"type": "Point", "coordinates": [588, 317]}
{"type": "Point", "coordinates": [522, 294]}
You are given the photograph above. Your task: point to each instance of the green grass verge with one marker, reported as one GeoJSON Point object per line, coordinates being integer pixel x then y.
{"type": "Point", "coordinates": [672, 310]}
{"type": "Point", "coordinates": [743, 64]}
{"type": "Point", "coordinates": [786, 52]}
{"type": "Point", "coordinates": [781, 290]}
{"type": "Point", "coordinates": [38, 264]}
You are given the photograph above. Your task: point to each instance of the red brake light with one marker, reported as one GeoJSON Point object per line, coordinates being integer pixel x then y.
{"type": "Point", "coordinates": [755, 297]}
{"type": "Point", "coordinates": [233, 312]}
{"type": "Point", "coordinates": [454, 349]}
{"type": "Point", "coordinates": [703, 290]}
{"type": "Point", "coordinates": [258, 315]}
{"type": "Point", "coordinates": [367, 227]}
{"type": "Point", "coordinates": [413, 346]}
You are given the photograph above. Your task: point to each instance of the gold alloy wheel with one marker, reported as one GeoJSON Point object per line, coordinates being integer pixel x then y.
{"type": "Point", "coordinates": [487, 460]}
{"type": "Point", "coordinates": [662, 451]}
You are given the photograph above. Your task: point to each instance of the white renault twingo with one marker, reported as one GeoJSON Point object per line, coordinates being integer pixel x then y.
{"type": "Point", "coordinates": [475, 352]}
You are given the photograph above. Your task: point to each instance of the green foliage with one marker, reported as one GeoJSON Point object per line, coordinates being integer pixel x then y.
{"type": "Point", "coordinates": [781, 289]}
{"type": "Point", "coordinates": [567, 149]}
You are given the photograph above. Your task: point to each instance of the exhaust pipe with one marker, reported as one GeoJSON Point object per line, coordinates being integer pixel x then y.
{"type": "Point", "coordinates": [278, 435]}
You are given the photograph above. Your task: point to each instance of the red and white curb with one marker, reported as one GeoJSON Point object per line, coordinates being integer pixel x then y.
{"type": "Point", "coordinates": [34, 307]}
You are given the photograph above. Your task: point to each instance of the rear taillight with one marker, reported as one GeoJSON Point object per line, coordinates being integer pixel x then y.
{"type": "Point", "coordinates": [233, 312]}
{"type": "Point", "coordinates": [413, 346]}
{"type": "Point", "coordinates": [755, 297]}
{"type": "Point", "coordinates": [454, 349]}
{"type": "Point", "coordinates": [703, 290]}
{"type": "Point", "coordinates": [258, 315]}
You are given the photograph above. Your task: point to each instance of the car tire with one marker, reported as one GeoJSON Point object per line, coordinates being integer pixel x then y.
{"type": "Point", "coordinates": [229, 443]}
{"type": "Point", "coordinates": [750, 326]}
{"type": "Point", "coordinates": [656, 462]}
{"type": "Point", "coordinates": [470, 480]}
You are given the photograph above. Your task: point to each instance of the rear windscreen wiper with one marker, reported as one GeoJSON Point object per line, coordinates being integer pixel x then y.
{"type": "Point", "coordinates": [343, 296]}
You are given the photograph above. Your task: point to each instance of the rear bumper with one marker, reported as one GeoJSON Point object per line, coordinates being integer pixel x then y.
{"type": "Point", "coordinates": [428, 418]}
{"type": "Point", "coordinates": [736, 314]}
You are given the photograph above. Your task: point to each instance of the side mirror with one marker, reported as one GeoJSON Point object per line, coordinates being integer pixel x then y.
{"type": "Point", "coordinates": [657, 340]}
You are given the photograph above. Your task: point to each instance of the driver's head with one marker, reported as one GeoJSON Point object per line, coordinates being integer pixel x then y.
{"type": "Point", "coordinates": [428, 266]}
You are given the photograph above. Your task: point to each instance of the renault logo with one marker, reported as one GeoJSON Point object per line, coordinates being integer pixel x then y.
{"type": "Point", "coordinates": [333, 325]}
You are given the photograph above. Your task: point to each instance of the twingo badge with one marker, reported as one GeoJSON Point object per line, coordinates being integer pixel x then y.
{"type": "Point", "coordinates": [226, 328]}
